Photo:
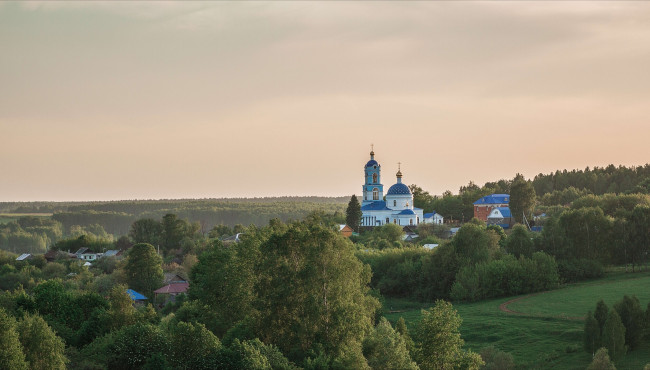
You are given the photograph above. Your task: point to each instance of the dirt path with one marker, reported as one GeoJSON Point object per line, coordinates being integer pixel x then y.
{"type": "Point", "coordinates": [503, 307]}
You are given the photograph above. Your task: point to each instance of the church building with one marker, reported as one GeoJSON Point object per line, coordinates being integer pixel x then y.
{"type": "Point", "coordinates": [398, 206]}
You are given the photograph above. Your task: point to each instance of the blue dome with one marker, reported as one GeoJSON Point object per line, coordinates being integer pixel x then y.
{"type": "Point", "coordinates": [407, 212]}
{"type": "Point", "coordinates": [399, 188]}
{"type": "Point", "coordinates": [371, 163]}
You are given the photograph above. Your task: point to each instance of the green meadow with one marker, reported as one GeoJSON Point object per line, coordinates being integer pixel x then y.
{"type": "Point", "coordinates": [547, 332]}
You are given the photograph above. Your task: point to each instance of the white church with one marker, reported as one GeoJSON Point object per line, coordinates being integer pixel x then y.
{"type": "Point", "coordinates": [397, 208]}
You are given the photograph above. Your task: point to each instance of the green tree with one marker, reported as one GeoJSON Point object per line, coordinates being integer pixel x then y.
{"type": "Point", "coordinates": [121, 310]}
{"type": "Point", "coordinates": [173, 231]}
{"type": "Point", "coordinates": [43, 349]}
{"type": "Point", "coordinates": [421, 198]}
{"type": "Point", "coordinates": [219, 231]}
{"type": "Point", "coordinates": [146, 230]}
{"type": "Point", "coordinates": [638, 234]}
{"type": "Point", "coordinates": [601, 361]}
{"type": "Point", "coordinates": [386, 349]}
{"type": "Point", "coordinates": [632, 317]}
{"type": "Point", "coordinates": [11, 352]}
{"type": "Point", "coordinates": [474, 243]}
{"type": "Point", "coordinates": [438, 342]}
{"type": "Point", "coordinates": [400, 327]}
{"type": "Point", "coordinates": [143, 269]}
{"type": "Point", "coordinates": [601, 315]}
{"type": "Point", "coordinates": [519, 242]}
{"type": "Point", "coordinates": [134, 345]}
{"type": "Point", "coordinates": [353, 213]}
{"type": "Point", "coordinates": [591, 334]}
{"type": "Point", "coordinates": [323, 288]}
{"type": "Point", "coordinates": [193, 346]}
{"type": "Point", "coordinates": [587, 231]}
{"type": "Point", "coordinates": [613, 336]}
{"type": "Point", "coordinates": [522, 198]}
{"type": "Point", "coordinates": [224, 279]}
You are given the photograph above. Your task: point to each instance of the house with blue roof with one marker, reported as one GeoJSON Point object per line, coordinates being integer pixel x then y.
{"type": "Point", "coordinates": [397, 208]}
{"type": "Point", "coordinates": [485, 205]}
{"type": "Point", "coordinates": [433, 218]}
{"type": "Point", "coordinates": [135, 296]}
{"type": "Point", "coordinates": [500, 216]}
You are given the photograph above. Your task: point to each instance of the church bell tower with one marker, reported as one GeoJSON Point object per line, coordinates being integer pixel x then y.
{"type": "Point", "coordinates": [373, 190]}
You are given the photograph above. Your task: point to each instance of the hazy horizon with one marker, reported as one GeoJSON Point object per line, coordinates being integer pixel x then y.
{"type": "Point", "coordinates": [179, 100]}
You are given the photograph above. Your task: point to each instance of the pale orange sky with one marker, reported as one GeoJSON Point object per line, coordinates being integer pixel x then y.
{"type": "Point", "coordinates": [121, 100]}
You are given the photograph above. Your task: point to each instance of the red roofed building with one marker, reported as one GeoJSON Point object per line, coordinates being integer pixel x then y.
{"type": "Point", "coordinates": [173, 289]}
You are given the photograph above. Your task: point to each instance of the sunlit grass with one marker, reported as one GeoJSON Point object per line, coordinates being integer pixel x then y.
{"type": "Point", "coordinates": [543, 337]}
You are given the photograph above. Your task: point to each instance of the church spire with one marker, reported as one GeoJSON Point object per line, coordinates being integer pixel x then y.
{"type": "Point", "coordinates": [399, 172]}
{"type": "Point", "coordinates": [372, 151]}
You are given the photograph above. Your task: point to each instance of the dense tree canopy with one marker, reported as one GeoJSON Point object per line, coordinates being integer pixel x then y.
{"type": "Point", "coordinates": [143, 269]}
{"type": "Point", "coordinates": [323, 287]}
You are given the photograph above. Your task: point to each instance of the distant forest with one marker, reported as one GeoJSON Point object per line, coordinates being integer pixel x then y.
{"type": "Point", "coordinates": [101, 219]}
{"type": "Point", "coordinates": [114, 218]}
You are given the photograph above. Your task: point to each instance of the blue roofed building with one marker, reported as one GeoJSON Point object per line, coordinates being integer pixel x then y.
{"type": "Point", "coordinates": [485, 205]}
{"type": "Point", "coordinates": [397, 208]}
{"type": "Point", "coordinates": [433, 218]}
{"type": "Point", "coordinates": [135, 295]}
{"type": "Point", "coordinates": [500, 216]}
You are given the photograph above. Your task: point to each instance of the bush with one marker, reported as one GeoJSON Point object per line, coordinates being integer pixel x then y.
{"type": "Point", "coordinates": [575, 270]}
{"type": "Point", "coordinates": [505, 277]}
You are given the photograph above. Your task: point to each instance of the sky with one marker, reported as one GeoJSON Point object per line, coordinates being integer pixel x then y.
{"type": "Point", "coordinates": [212, 99]}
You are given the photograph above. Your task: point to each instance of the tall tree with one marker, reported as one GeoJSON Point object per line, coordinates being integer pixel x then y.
{"type": "Point", "coordinates": [522, 198]}
{"type": "Point", "coordinates": [638, 230]}
{"type": "Point", "coordinates": [438, 342]}
{"type": "Point", "coordinates": [323, 290]}
{"type": "Point", "coordinates": [146, 230]}
{"type": "Point", "coordinates": [591, 334]}
{"type": "Point", "coordinates": [601, 315]}
{"type": "Point", "coordinates": [43, 349]}
{"type": "Point", "coordinates": [143, 269]}
{"type": "Point", "coordinates": [173, 231]}
{"type": "Point", "coordinates": [632, 317]}
{"type": "Point", "coordinates": [224, 279]}
{"type": "Point", "coordinates": [613, 337]}
{"type": "Point", "coordinates": [11, 352]}
{"type": "Point", "coordinates": [421, 199]}
{"type": "Point", "coordinates": [353, 213]}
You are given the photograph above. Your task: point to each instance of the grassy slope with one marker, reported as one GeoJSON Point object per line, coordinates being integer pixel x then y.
{"type": "Point", "coordinates": [543, 337]}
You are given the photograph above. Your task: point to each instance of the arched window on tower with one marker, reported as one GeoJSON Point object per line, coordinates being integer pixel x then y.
{"type": "Point", "coordinates": [374, 178]}
{"type": "Point", "coordinates": [375, 194]}
{"type": "Point", "coordinates": [410, 221]}
{"type": "Point", "coordinates": [394, 203]}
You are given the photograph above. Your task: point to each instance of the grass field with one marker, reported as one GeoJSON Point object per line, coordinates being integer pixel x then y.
{"type": "Point", "coordinates": [6, 218]}
{"type": "Point", "coordinates": [544, 336]}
